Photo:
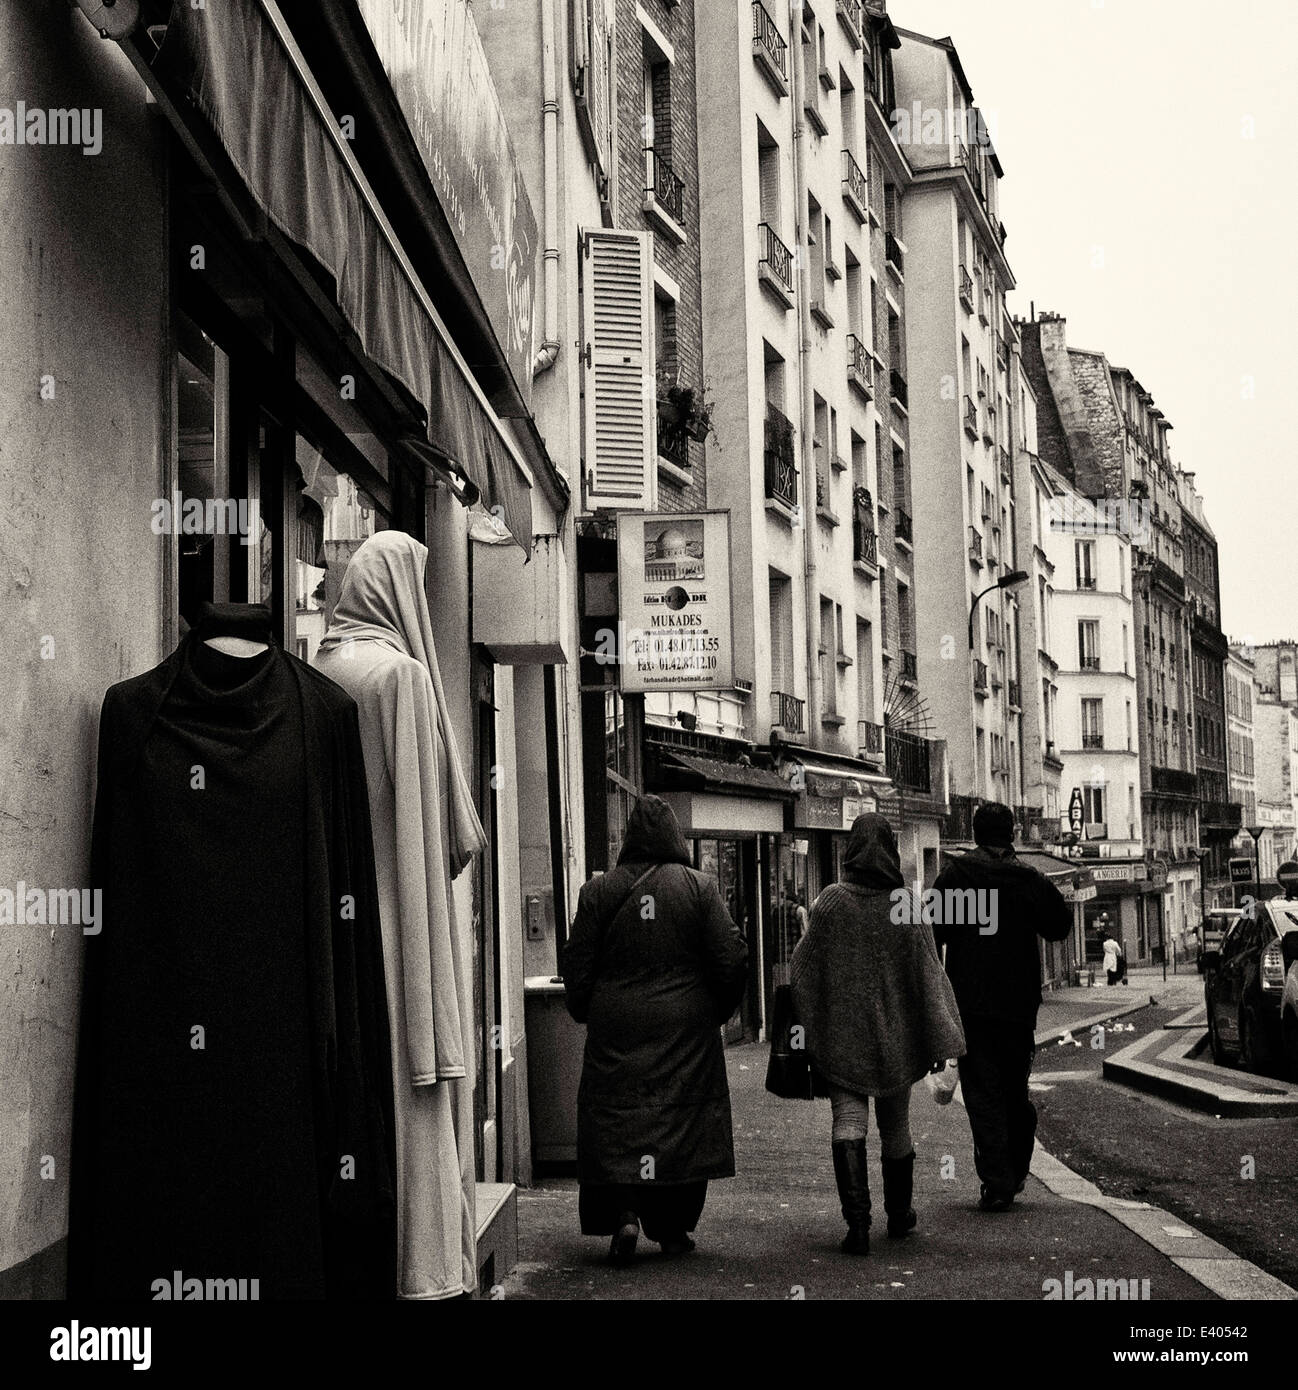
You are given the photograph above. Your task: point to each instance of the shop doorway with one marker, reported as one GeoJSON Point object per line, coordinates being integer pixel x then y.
{"type": "Point", "coordinates": [733, 866]}
{"type": "Point", "coordinates": [487, 1136]}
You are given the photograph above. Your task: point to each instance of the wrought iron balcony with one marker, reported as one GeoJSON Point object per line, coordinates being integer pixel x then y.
{"type": "Point", "coordinates": [673, 443]}
{"type": "Point", "coordinates": [860, 365]}
{"type": "Point", "coordinates": [970, 418]}
{"type": "Point", "coordinates": [770, 49]}
{"type": "Point", "coordinates": [1089, 663]}
{"type": "Point", "coordinates": [1171, 781]}
{"type": "Point", "coordinates": [975, 545]}
{"type": "Point", "coordinates": [849, 11]}
{"type": "Point", "coordinates": [902, 526]}
{"type": "Point", "coordinates": [1014, 695]}
{"type": "Point", "coordinates": [1092, 740]}
{"type": "Point", "coordinates": [787, 712]}
{"type": "Point", "coordinates": [908, 760]}
{"type": "Point", "coordinates": [869, 738]}
{"type": "Point", "coordinates": [966, 289]}
{"type": "Point", "coordinates": [900, 391]}
{"type": "Point", "coordinates": [775, 258]}
{"type": "Point", "coordinates": [856, 187]}
{"type": "Point", "coordinates": [909, 666]}
{"type": "Point", "coordinates": [893, 253]}
{"type": "Point", "coordinates": [980, 676]}
{"type": "Point", "coordinates": [781, 474]}
{"type": "Point", "coordinates": [663, 185]}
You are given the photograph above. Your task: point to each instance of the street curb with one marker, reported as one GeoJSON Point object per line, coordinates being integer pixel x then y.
{"type": "Point", "coordinates": [1044, 1036]}
{"type": "Point", "coordinates": [1206, 1261]}
{"type": "Point", "coordinates": [1134, 1068]}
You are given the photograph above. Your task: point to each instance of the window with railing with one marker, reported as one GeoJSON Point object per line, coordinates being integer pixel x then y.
{"type": "Point", "coordinates": [663, 185]}
{"type": "Point", "coordinates": [893, 252]}
{"type": "Point", "coordinates": [860, 365]}
{"type": "Point", "coordinates": [869, 738]}
{"type": "Point", "coordinates": [970, 418]}
{"type": "Point", "coordinates": [865, 543]}
{"type": "Point", "coordinates": [966, 289]}
{"type": "Point", "coordinates": [975, 544]}
{"type": "Point", "coordinates": [781, 471]}
{"type": "Point", "coordinates": [775, 256]}
{"type": "Point", "coordinates": [980, 675]}
{"type": "Point", "coordinates": [1088, 644]}
{"type": "Point", "coordinates": [856, 188]}
{"type": "Point", "coordinates": [908, 760]}
{"type": "Point", "coordinates": [787, 711]}
{"type": "Point", "coordinates": [770, 48]}
{"type": "Point", "coordinates": [1092, 723]}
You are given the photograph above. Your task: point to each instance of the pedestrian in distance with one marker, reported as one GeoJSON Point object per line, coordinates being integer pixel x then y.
{"type": "Point", "coordinates": [1113, 961]}
{"type": "Point", "coordinates": [878, 1012]}
{"type": "Point", "coordinates": [653, 967]}
{"type": "Point", "coordinates": [996, 974]}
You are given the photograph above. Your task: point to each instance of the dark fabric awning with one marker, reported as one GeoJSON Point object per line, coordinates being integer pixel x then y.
{"type": "Point", "coordinates": [240, 74]}
{"type": "Point", "coordinates": [713, 774]}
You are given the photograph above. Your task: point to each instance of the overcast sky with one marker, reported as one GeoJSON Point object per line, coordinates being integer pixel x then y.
{"type": "Point", "coordinates": [1150, 149]}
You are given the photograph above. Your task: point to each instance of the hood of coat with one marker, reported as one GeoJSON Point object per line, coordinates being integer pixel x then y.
{"type": "Point", "coordinates": [653, 835]}
{"type": "Point", "coordinates": [872, 859]}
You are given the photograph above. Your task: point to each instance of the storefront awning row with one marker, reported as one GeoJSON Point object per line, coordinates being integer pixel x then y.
{"type": "Point", "coordinates": [237, 65]}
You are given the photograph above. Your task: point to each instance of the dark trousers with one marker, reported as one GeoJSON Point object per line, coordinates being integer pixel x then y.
{"type": "Point", "coordinates": [665, 1211]}
{"type": "Point", "coordinates": [994, 1079]}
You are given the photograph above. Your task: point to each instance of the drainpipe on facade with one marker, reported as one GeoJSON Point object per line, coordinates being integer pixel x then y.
{"type": "Point", "coordinates": [808, 415]}
{"type": "Point", "coordinates": [549, 350]}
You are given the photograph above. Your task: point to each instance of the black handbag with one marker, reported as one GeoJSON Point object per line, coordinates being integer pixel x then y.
{"type": "Point", "coordinates": [789, 1073]}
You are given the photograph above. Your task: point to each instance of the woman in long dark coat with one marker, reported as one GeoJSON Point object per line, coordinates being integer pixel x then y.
{"type": "Point", "coordinates": [654, 966]}
{"type": "Point", "coordinates": [879, 1012]}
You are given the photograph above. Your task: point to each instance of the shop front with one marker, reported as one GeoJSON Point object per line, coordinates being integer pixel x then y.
{"type": "Point", "coordinates": [1127, 907]}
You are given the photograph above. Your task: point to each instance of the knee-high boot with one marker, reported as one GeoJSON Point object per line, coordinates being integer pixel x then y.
{"type": "Point", "coordinates": [898, 1185]}
{"type": "Point", "coordinates": [853, 1179]}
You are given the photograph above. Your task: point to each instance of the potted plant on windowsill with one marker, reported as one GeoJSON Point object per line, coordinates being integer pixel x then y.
{"type": "Point", "coordinates": [688, 410]}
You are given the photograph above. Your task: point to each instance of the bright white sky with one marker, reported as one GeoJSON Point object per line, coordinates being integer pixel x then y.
{"type": "Point", "coordinates": [1124, 130]}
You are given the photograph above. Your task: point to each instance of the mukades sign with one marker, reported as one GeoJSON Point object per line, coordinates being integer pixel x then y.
{"type": "Point", "coordinates": [673, 579]}
{"type": "Point", "coordinates": [434, 60]}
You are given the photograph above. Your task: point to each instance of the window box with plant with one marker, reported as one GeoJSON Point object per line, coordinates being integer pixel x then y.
{"type": "Point", "coordinates": [685, 409]}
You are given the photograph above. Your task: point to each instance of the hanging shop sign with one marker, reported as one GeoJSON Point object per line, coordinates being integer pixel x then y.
{"type": "Point", "coordinates": [1119, 873]}
{"type": "Point", "coordinates": [674, 625]}
{"type": "Point", "coordinates": [434, 60]}
{"type": "Point", "coordinates": [1076, 811]}
{"type": "Point", "coordinates": [1241, 870]}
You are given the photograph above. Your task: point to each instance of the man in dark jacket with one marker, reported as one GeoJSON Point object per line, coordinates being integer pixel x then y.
{"type": "Point", "coordinates": [991, 910]}
{"type": "Point", "coordinates": [654, 966]}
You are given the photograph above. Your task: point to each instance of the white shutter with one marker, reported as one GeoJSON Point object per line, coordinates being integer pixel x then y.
{"type": "Point", "coordinates": [618, 386]}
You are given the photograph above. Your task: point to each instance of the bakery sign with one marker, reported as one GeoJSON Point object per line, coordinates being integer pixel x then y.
{"type": "Point", "coordinates": [673, 577]}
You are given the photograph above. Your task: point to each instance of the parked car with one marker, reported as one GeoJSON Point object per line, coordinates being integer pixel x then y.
{"type": "Point", "coordinates": [1289, 1018]}
{"type": "Point", "coordinates": [1245, 982]}
{"type": "Point", "coordinates": [1212, 930]}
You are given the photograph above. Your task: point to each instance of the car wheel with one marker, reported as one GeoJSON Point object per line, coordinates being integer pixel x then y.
{"type": "Point", "coordinates": [1214, 1040]}
{"type": "Point", "coordinates": [1254, 1055]}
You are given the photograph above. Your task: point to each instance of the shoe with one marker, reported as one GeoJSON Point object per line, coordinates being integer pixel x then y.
{"type": "Point", "coordinates": [994, 1201]}
{"type": "Point", "coordinates": [621, 1250]}
{"type": "Point", "coordinates": [853, 1179]}
{"type": "Point", "coordinates": [1022, 1183]}
{"type": "Point", "coordinates": [677, 1245]}
{"type": "Point", "coordinates": [898, 1185]}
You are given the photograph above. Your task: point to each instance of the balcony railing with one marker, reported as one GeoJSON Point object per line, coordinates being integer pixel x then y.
{"type": "Point", "coordinates": [769, 46]}
{"type": "Point", "coordinates": [897, 386]}
{"type": "Point", "coordinates": [903, 527]}
{"type": "Point", "coordinates": [673, 443]}
{"type": "Point", "coordinates": [908, 760]}
{"type": "Point", "coordinates": [1089, 663]}
{"type": "Point", "coordinates": [1092, 740]}
{"type": "Point", "coordinates": [775, 256]}
{"type": "Point", "coordinates": [849, 11]}
{"type": "Point", "coordinates": [860, 365]}
{"type": "Point", "coordinates": [1221, 815]}
{"type": "Point", "coordinates": [970, 418]}
{"type": "Point", "coordinates": [1171, 781]}
{"type": "Point", "coordinates": [787, 712]}
{"type": "Point", "coordinates": [980, 676]}
{"type": "Point", "coordinates": [865, 543]}
{"type": "Point", "coordinates": [663, 185]}
{"type": "Point", "coordinates": [893, 253]}
{"type": "Point", "coordinates": [1013, 694]}
{"type": "Point", "coordinates": [966, 289]}
{"type": "Point", "coordinates": [975, 545]}
{"type": "Point", "coordinates": [856, 188]}
{"type": "Point", "coordinates": [869, 738]}
{"type": "Point", "coordinates": [781, 475]}
{"type": "Point", "coordinates": [909, 666]}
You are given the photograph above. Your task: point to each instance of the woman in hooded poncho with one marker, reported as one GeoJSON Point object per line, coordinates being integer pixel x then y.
{"type": "Point", "coordinates": [879, 1013]}
{"type": "Point", "coordinates": [654, 966]}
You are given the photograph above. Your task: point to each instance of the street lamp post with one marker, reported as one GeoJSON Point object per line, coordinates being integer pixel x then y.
{"type": "Point", "coordinates": [1006, 581]}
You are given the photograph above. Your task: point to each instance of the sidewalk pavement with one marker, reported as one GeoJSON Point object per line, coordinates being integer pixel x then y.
{"type": "Point", "coordinates": [772, 1232]}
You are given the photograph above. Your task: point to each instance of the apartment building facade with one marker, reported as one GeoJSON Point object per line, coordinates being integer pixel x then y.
{"type": "Point", "coordinates": [1239, 748]}
{"type": "Point", "coordinates": [961, 355]}
{"type": "Point", "coordinates": [1219, 813]}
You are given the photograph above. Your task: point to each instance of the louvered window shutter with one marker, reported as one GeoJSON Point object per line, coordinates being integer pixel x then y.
{"type": "Point", "coordinates": [619, 406]}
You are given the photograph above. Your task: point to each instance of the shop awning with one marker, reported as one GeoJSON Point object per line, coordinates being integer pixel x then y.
{"type": "Point", "coordinates": [236, 67]}
{"type": "Point", "coordinates": [1056, 870]}
{"type": "Point", "coordinates": [695, 772]}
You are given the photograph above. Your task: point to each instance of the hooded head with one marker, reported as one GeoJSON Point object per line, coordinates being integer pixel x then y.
{"type": "Point", "coordinates": [993, 826]}
{"type": "Point", "coordinates": [653, 835]}
{"type": "Point", "coordinates": [872, 859]}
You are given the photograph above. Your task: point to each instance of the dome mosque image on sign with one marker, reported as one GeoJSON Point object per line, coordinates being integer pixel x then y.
{"type": "Point", "coordinates": [676, 553]}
